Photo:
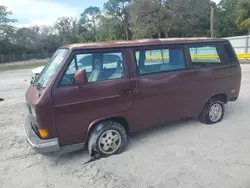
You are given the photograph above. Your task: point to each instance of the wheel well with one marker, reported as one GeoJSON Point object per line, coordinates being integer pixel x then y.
{"type": "Point", "coordinates": [222, 97]}
{"type": "Point", "coordinates": [120, 120]}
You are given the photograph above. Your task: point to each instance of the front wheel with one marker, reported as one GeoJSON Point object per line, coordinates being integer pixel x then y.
{"type": "Point", "coordinates": [107, 138]}
{"type": "Point", "coordinates": [213, 112]}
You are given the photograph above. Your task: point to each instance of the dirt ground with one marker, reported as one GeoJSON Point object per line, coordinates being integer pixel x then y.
{"type": "Point", "coordinates": [185, 154]}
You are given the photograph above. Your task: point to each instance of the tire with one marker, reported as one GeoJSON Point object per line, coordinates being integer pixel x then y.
{"type": "Point", "coordinates": [107, 138]}
{"type": "Point", "coordinates": [208, 116]}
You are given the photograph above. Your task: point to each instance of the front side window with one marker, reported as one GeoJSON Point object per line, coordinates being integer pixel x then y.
{"type": "Point", "coordinates": [99, 67]}
{"type": "Point", "coordinates": [204, 56]}
{"type": "Point", "coordinates": [160, 60]}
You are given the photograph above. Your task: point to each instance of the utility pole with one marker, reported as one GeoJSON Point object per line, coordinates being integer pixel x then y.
{"type": "Point", "coordinates": [212, 19]}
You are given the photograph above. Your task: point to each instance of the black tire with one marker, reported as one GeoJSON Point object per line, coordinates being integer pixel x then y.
{"type": "Point", "coordinates": [98, 133]}
{"type": "Point", "coordinates": [204, 115]}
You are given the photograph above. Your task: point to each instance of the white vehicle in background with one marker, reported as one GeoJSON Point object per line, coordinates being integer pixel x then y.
{"type": "Point", "coordinates": [35, 72]}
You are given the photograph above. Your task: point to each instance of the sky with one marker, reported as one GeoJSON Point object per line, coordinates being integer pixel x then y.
{"type": "Point", "coordinates": [45, 12]}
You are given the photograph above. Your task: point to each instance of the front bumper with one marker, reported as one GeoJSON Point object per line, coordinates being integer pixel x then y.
{"type": "Point", "coordinates": [41, 146]}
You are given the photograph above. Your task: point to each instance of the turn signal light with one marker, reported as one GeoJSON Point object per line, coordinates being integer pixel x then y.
{"type": "Point", "coordinates": [44, 133]}
{"type": "Point", "coordinates": [234, 91]}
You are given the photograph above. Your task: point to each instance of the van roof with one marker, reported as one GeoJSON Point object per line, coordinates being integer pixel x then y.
{"type": "Point", "coordinates": [141, 42]}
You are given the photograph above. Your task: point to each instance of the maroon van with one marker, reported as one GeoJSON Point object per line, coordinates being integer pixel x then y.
{"type": "Point", "coordinates": [95, 94]}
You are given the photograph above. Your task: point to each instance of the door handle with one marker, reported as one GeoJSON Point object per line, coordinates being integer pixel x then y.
{"type": "Point", "coordinates": [125, 91]}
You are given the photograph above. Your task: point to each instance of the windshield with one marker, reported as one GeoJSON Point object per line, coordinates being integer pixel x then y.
{"type": "Point", "coordinates": [51, 67]}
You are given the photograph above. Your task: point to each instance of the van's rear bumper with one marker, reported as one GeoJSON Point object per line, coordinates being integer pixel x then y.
{"type": "Point", "coordinates": [41, 146]}
{"type": "Point", "coordinates": [233, 98]}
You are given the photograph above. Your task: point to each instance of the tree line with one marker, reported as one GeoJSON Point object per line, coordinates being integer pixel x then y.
{"type": "Point", "coordinates": [126, 20]}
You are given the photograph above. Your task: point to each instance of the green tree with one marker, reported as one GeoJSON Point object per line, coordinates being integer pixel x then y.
{"type": "Point", "coordinates": [126, 19]}
{"type": "Point", "coordinates": [27, 38]}
{"type": "Point", "coordinates": [168, 17]}
{"type": "Point", "coordinates": [243, 15]}
{"type": "Point", "coordinates": [90, 19]}
{"type": "Point", "coordinates": [4, 16]}
{"type": "Point", "coordinates": [68, 30]}
{"type": "Point", "coordinates": [225, 16]}
{"type": "Point", "coordinates": [48, 39]}
{"type": "Point", "coordinates": [6, 30]}
{"type": "Point", "coordinates": [149, 18]}
{"type": "Point", "coordinates": [198, 15]}
{"type": "Point", "coordinates": [118, 9]}
{"type": "Point", "coordinates": [110, 29]}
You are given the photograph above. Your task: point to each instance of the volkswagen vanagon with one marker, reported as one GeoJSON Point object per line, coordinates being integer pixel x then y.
{"type": "Point", "coordinates": [94, 94]}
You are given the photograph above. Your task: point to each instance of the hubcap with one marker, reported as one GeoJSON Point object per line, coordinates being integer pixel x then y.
{"type": "Point", "coordinates": [215, 112]}
{"type": "Point", "coordinates": [109, 142]}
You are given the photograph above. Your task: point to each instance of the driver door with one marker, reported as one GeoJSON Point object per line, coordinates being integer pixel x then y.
{"type": "Point", "coordinates": [76, 107]}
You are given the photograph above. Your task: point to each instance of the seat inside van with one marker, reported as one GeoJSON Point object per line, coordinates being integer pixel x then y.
{"type": "Point", "coordinates": [118, 72]}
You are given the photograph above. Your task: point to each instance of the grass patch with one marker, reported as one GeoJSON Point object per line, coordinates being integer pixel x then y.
{"type": "Point", "coordinates": [21, 66]}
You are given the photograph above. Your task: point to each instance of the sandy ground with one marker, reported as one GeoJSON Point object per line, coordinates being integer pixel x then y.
{"type": "Point", "coordinates": [183, 154]}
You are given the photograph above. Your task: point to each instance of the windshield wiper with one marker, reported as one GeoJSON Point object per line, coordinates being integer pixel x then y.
{"type": "Point", "coordinates": [38, 86]}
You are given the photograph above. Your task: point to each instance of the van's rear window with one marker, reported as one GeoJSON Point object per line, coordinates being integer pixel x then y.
{"type": "Point", "coordinates": [204, 55]}
{"type": "Point", "coordinates": [207, 55]}
{"type": "Point", "coordinates": [227, 54]}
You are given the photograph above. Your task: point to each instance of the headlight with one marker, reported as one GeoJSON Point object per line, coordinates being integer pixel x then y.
{"type": "Point", "coordinates": [33, 111]}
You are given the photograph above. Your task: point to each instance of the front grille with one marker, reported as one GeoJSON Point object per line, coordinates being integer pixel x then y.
{"type": "Point", "coordinates": [35, 129]}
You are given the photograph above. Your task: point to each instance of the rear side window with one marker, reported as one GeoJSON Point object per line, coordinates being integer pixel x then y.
{"type": "Point", "coordinates": [160, 60]}
{"type": "Point", "coordinates": [205, 55]}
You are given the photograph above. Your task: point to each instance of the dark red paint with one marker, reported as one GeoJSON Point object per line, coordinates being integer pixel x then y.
{"type": "Point", "coordinates": [143, 101]}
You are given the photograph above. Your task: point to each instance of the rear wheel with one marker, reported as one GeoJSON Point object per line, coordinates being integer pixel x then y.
{"type": "Point", "coordinates": [213, 112]}
{"type": "Point", "coordinates": [107, 138]}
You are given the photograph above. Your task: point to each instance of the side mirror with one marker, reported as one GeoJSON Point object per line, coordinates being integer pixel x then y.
{"type": "Point", "coordinates": [81, 77]}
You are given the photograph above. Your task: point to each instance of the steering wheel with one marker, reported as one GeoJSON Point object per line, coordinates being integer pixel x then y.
{"type": "Point", "coordinates": [67, 80]}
